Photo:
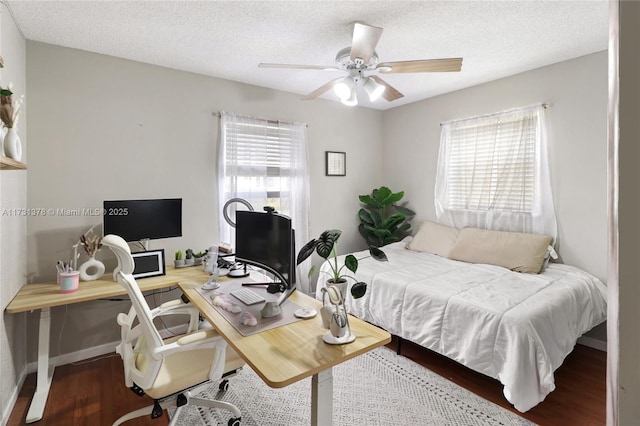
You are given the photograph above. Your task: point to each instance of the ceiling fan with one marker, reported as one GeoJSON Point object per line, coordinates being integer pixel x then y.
{"type": "Point", "coordinates": [360, 61]}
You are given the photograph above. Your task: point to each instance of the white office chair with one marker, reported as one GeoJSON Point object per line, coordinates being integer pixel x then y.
{"type": "Point", "coordinates": [170, 371]}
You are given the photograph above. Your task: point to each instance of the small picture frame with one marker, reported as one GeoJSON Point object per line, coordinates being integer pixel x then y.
{"type": "Point", "coordinates": [148, 263]}
{"type": "Point", "coordinates": [336, 163]}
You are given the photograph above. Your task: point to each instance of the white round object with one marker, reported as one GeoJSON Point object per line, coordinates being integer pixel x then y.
{"type": "Point", "coordinates": [305, 313]}
{"type": "Point", "coordinates": [94, 265]}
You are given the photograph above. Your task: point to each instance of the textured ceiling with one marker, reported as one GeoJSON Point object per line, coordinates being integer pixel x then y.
{"type": "Point", "coordinates": [228, 39]}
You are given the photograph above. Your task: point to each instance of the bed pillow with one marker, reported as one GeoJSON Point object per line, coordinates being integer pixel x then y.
{"type": "Point", "coordinates": [512, 250]}
{"type": "Point", "coordinates": [434, 238]}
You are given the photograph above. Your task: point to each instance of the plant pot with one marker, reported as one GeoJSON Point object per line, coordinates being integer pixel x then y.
{"type": "Point", "coordinates": [197, 260]}
{"type": "Point", "coordinates": [188, 262]}
{"type": "Point", "coordinates": [178, 263]}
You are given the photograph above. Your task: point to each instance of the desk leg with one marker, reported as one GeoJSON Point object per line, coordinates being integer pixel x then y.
{"type": "Point", "coordinates": [45, 371]}
{"type": "Point", "coordinates": [322, 398]}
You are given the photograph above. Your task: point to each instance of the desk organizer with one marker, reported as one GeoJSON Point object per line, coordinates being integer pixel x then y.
{"type": "Point", "coordinates": [69, 281]}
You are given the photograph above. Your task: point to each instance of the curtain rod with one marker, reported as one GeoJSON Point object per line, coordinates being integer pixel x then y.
{"type": "Point", "coordinates": [543, 105]}
{"type": "Point", "coordinates": [219, 114]}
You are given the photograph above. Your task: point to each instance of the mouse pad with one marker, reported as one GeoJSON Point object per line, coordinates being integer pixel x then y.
{"type": "Point", "coordinates": [286, 317]}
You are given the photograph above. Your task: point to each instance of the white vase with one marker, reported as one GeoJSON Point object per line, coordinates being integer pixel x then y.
{"type": "Point", "coordinates": [96, 267]}
{"type": "Point", "coordinates": [2, 133]}
{"type": "Point", "coordinates": [12, 145]}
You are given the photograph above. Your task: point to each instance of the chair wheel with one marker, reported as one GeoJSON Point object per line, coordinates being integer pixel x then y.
{"type": "Point", "coordinates": [224, 386]}
{"type": "Point", "coordinates": [234, 422]}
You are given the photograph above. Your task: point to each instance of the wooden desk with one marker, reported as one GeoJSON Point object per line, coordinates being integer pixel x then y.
{"type": "Point", "coordinates": [286, 354]}
{"type": "Point", "coordinates": [44, 296]}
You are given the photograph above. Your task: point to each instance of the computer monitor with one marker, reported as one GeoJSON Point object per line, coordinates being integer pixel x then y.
{"type": "Point", "coordinates": [136, 220]}
{"type": "Point", "coordinates": [267, 240]}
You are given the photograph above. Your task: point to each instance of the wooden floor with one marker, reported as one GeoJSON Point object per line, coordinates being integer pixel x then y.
{"type": "Point", "coordinates": [93, 393]}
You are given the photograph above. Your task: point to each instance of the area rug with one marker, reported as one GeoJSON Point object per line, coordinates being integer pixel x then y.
{"type": "Point", "coordinates": [377, 388]}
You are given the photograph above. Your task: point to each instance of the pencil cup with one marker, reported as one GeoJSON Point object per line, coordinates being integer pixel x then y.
{"type": "Point", "coordinates": [68, 281]}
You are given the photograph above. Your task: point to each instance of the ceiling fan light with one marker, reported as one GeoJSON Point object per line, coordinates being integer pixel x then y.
{"type": "Point", "coordinates": [373, 89]}
{"type": "Point", "coordinates": [352, 100]}
{"type": "Point", "coordinates": [344, 88]}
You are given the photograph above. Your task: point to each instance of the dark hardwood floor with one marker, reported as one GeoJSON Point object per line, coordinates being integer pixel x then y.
{"type": "Point", "coordinates": [93, 393]}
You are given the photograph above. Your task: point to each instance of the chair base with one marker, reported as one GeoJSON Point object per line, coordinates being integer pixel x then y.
{"type": "Point", "coordinates": [171, 401]}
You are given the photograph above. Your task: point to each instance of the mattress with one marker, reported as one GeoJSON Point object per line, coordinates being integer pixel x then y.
{"type": "Point", "coordinates": [517, 328]}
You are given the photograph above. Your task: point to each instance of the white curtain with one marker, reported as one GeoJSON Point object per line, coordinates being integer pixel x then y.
{"type": "Point", "coordinates": [266, 163]}
{"type": "Point", "coordinates": [493, 173]}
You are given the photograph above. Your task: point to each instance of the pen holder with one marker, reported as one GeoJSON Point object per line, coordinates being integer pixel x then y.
{"type": "Point", "coordinates": [68, 281]}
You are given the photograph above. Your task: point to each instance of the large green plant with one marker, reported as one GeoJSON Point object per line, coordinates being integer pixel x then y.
{"type": "Point", "coordinates": [382, 220]}
{"type": "Point", "coordinates": [325, 246]}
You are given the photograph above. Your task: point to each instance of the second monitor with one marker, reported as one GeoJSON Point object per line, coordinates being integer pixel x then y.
{"type": "Point", "coordinates": [266, 240]}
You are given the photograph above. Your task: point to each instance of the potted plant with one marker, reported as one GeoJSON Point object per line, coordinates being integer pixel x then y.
{"type": "Point", "coordinates": [179, 261]}
{"type": "Point", "coordinates": [198, 257]}
{"type": "Point", "coordinates": [382, 220]}
{"type": "Point", "coordinates": [325, 246]}
{"type": "Point", "coordinates": [188, 259]}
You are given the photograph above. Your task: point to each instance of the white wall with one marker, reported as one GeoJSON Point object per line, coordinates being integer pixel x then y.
{"type": "Point", "coordinates": [577, 93]}
{"type": "Point", "coordinates": [108, 128]}
{"type": "Point", "coordinates": [13, 192]}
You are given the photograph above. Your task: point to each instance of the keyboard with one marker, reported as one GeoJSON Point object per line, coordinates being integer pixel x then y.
{"type": "Point", "coordinates": [246, 296]}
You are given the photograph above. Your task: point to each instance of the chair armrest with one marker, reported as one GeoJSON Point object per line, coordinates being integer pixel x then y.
{"type": "Point", "coordinates": [202, 339]}
{"type": "Point", "coordinates": [178, 307]}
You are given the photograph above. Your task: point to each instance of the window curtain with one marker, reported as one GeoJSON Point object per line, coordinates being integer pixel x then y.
{"type": "Point", "coordinates": [493, 173]}
{"type": "Point", "coordinates": [266, 163]}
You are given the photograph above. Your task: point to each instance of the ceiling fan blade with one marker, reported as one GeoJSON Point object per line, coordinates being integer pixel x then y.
{"type": "Point", "coordinates": [390, 93]}
{"type": "Point", "coordinates": [424, 65]}
{"type": "Point", "coordinates": [365, 39]}
{"type": "Point", "coordinates": [301, 67]}
{"type": "Point", "coordinates": [320, 90]}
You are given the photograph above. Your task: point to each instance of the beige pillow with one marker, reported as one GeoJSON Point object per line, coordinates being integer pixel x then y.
{"type": "Point", "coordinates": [434, 238]}
{"type": "Point", "coordinates": [513, 250]}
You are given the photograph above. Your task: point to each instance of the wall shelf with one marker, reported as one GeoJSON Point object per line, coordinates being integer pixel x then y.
{"type": "Point", "coordinates": [7, 163]}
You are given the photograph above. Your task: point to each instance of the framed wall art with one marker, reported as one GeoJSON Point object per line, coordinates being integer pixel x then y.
{"type": "Point", "coordinates": [336, 163]}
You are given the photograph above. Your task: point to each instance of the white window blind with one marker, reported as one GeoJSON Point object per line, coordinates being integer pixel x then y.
{"type": "Point", "coordinates": [493, 173]}
{"type": "Point", "coordinates": [265, 162]}
{"type": "Point", "coordinates": [491, 166]}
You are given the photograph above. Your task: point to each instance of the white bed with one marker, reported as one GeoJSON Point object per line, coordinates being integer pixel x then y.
{"type": "Point", "coordinates": [515, 327]}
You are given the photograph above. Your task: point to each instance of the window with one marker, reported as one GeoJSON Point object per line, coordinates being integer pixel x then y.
{"type": "Point", "coordinates": [493, 173]}
{"type": "Point", "coordinates": [265, 163]}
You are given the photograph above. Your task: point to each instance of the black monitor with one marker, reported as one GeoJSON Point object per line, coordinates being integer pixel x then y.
{"type": "Point", "coordinates": [136, 220]}
{"type": "Point", "coordinates": [266, 240]}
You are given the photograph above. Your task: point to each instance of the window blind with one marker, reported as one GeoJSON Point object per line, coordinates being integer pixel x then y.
{"type": "Point", "coordinates": [491, 164]}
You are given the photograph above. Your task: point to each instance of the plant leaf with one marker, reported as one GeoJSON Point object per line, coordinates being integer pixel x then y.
{"type": "Point", "coordinates": [366, 199]}
{"type": "Point", "coordinates": [365, 216]}
{"type": "Point", "coordinates": [378, 254]}
{"type": "Point", "coordinates": [381, 194]}
{"type": "Point", "coordinates": [377, 218]}
{"type": "Point", "coordinates": [306, 251]}
{"type": "Point", "coordinates": [393, 220]}
{"type": "Point", "coordinates": [324, 244]}
{"type": "Point", "coordinates": [351, 263]}
{"type": "Point", "coordinates": [311, 271]}
{"type": "Point", "coordinates": [393, 198]}
{"type": "Point", "coordinates": [405, 211]}
{"type": "Point", "coordinates": [405, 227]}
{"type": "Point", "coordinates": [380, 232]}
{"type": "Point", "coordinates": [358, 290]}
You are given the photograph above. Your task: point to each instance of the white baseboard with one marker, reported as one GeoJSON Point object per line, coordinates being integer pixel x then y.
{"type": "Point", "coordinates": [95, 351]}
{"type": "Point", "coordinates": [6, 413]}
{"type": "Point", "coordinates": [593, 343]}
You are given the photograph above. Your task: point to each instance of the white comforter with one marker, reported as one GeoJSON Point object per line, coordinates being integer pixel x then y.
{"type": "Point", "coordinates": [514, 327]}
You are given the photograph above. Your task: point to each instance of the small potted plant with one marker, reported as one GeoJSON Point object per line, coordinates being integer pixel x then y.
{"type": "Point", "coordinates": [188, 259]}
{"type": "Point", "coordinates": [179, 261]}
{"type": "Point", "coordinates": [198, 257]}
{"type": "Point", "coordinates": [325, 246]}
